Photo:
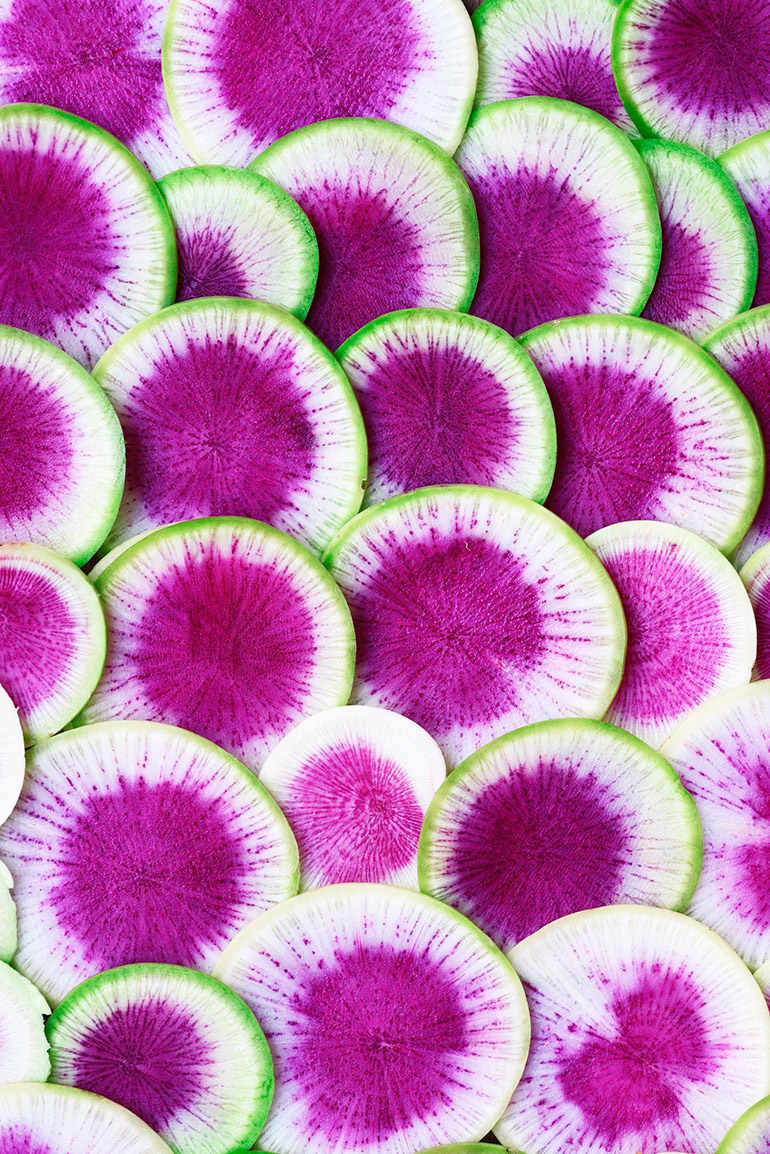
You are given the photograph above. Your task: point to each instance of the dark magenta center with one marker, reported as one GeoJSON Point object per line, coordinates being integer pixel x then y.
{"type": "Point", "coordinates": [684, 277]}
{"type": "Point", "coordinates": [37, 443]}
{"type": "Point", "coordinates": [38, 637]}
{"type": "Point", "coordinates": [207, 266]}
{"type": "Point", "coordinates": [581, 73]}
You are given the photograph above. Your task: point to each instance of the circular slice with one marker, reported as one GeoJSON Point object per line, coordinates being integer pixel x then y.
{"type": "Point", "coordinates": [648, 1033]}
{"type": "Point", "coordinates": [691, 630]}
{"type": "Point", "coordinates": [449, 399]}
{"type": "Point", "coordinates": [373, 994]}
{"type": "Point", "coordinates": [239, 235]}
{"type": "Point", "coordinates": [138, 842]}
{"type": "Point", "coordinates": [226, 627]}
{"type": "Point", "coordinates": [86, 244]}
{"type": "Point", "coordinates": [355, 783]}
{"type": "Point", "coordinates": [175, 1047]}
{"type": "Point", "coordinates": [395, 222]}
{"type": "Point", "coordinates": [23, 1045]}
{"type": "Point", "coordinates": [476, 611]}
{"type": "Point", "coordinates": [751, 1133]}
{"type": "Point", "coordinates": [755, 575]}
{"type": "Point", "coordinates": [554, 818]}
{"type": "Point", "coordinates": [648, 428]}
{"type": "Point", "coordinates": [11, 763]}
{"type": "Point", "coordinates": [566, 210]}
{"type": "Point", "coordinates": [232, 407]}
{"type": "Point", "coordinates": [748, 166]}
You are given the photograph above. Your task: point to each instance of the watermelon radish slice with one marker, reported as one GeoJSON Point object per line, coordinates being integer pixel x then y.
{"type": "Point", "coordinates": [99, 59]}
{"type": "Point", "coordinates": [395, 222]}
{"type": "Point", "coordinates": [676, 441]}
{"type": "Point", "coordinates": [696, 73]}
{"type": "Point", "coordinates": [139, 842]}
{"type": "Point", "coordinates": [23, 1044]}
{"type": "Point", "coordinates": [648, 1033]}
{"type": "Point", "coordinates": [91, 250]}
{"type": "Point", "coordinates": [11, 772]}
{"type": "Point", "coordinates": [556, 48]}
{"type": "Point", "coordinates": [175, 1047]}
{"type": "Point", "coordinates": [748, 166]}
{"type": "Point", "coordinates": [239, 235]}
{"type": "Point", "coordinates": [355, 783]}
{"type": "Point", "coordinates": [448, 399]}
{"type": "Point", "coordinates": [751, 1133]}
{"type": "Point", "coordinates": [62, 464]}
{"type": "Point", "coordinates": [8, 934]}
{"type": "Point", "coordinates": [567, 213]}
{"type": "Point", "coordinates": [554, 818]}
{"type": "Point", "coordinates": [53, 638]}
{"type": "Point", "coordinates": [374, 995]}
{"type": "Point", "coordinates": [233, 407]}
{"type": "Point", "coordinates": [242, 74]}
{"type": "Point", "coordinates": [708, 268]}
{"type": "Point", "coordinates": [691, 630]}
{"type": "Point", "coordinates": [476, 611]}
{"type": "Point", "coordinates": [755, 575]}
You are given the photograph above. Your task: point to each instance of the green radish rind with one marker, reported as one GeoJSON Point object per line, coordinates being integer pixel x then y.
{"type": "Point", "coordinates": [69, 1121]}
{"type": "Point", "coordinates": [12, 766]}
{"type": "Point", "coordinates": [24, 1050]}
{"type": "Point", "coordinates": [751, 1133]}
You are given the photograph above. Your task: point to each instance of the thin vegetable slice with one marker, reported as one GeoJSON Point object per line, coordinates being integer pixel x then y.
{"type": "Point", "coordinates": [755, 575]}
{"type": "Point", "coordinates": [23, 1045]}
{"type": "Point", "coordinates": [751, 1133]}
{"type": "Point", "coordinates": [8, 934]}
{"type": "Point", "coordinates": [11, 761]}
{"type": "Point", "coordinates": [748, 166]}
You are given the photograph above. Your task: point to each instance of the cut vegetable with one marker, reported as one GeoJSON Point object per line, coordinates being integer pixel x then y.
{"type": "Point", "coordinates": [449, 399]}
{"type": "Point", "coordinates": [708, 268]}
{"type": "Point", "coordinates": [648, 428]}
{"type": "Point", "coordinates": [225, 627]}
{"type": "Point", "coordinates": [476, 611]}
{"type": "Point", "coordinates": [59, 1120]}
{"type": "Point", "coordinates": [355, 783]}
{"type": "Point", "coordinates": [138, 842]}
{"type": "Point", "coordinates": [8, 936]}
{"type": "Point", "coordinates": [242, 74]}
{"type": "Point", "coordinates": [395, 222]}
{"type": "Point", "coordinates": [755, 575]}
{"type": "Point", "coordinates": [233, 407]}
{"type": "Point", "coordinates": [23, 1045]}
{"type": "Point", "coordinates": [691, 630]}
{"type": "Point", "coordinates": [86, 243]}
{"type": "Point", "coordinates": [374, 995]}
{"type": "Point", "coordinates": [648, 1033]}
{"type": "Point", "coordinates": [567, 213]}
{"type": "Point", "coordinates": [748, 166]}
{"type": "Point", "coordinates": [751, 1133]}
{"type": "Point", "coordinates": [175, 1047]}
{"type": "Point", "coordinates": [239, 235]}
{"type": "Point", "coordinates": [554, 818]}
{"type": "Point", "coordinates": [11, 765]}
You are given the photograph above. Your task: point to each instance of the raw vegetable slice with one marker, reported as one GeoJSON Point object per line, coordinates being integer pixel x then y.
{"type": "Point", "coordinates": [62, 465]}
{"type": "Point", "coordinates": [239, 235]}
{"type": "Point", "coordinates": [695, 73]}
{"type": "Point", "coordinates": [44, 1119]}
{"type": "Point", "coordinates": [751, 1133]}
{"type": "Point", "coordinates": [648, 1033]}
{"type": "Point", "coordinates": [554, 818]}
{"type": "Point", "coordinates": [691, 630]}
{"type": "Point", "coordinates": [466, 1148]}
{"type": "Point", "coordinates": [748, 165]}
{"type": "Point", "coordinates": [175, 1047]}
{"type": "Point", "coordinates": [139, 842]}
{"type": "Point", "coordinates": [23, 1044]}
{"type": "Point", "coordinates": [476, 611]}
{"type": "Point", "coordinates": [374, 995]}
{"type": "Point", "coordinates": [755, 575]}
{"type": "Point", "coordinates": [242, 74]}
{"type": "Point", "coordinates": [676, 440]}
{"type": "Point", "coordinates": [86, 243]}
{"type": "Point", "coordinates": [395, 221]}
{"type": "Point", "coordinates": [232, 407]}
{"type": "Point", "coordinates": [8, 936]}
{"type": "Point", "coordinates": [11, 762]}
{"type": "Point", "coordinates": [355, 783]}
{"type": "Point", "coordinates": [708, 268]}
{"type": "Point", "coordinates": [448, 398]}
{"type": "Point", "coordinates": [550, 48]}
{"type": "Point", "coordinates": [53, 638]}
{"type": "Point", "coordinates": [567, 213]}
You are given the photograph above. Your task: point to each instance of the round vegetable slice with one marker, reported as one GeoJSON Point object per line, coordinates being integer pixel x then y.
{"type": "Point", "coordinates": [239, 235]}
{"type": "Point", "coordinates": [567, 213]}
{"type": "Point", "coordinates": [449, 399]}
{"type": "Point", "coordinates": [23, 1045]}
{"type": "Point", "coordinates": [751, 1133]}
{"type": "Point", "coordinates": [175, 1047]}
{"type": "Point", "coordinates": [755, 575]}
{"type": "Point", "coordinates": [11, 760]}
{"type": "Point", "coordinates": [395, 221]}
{"type": "Point", "coordinates": [748, 166]}
{"type": "Point", "coordinates": [355, 783]}
{"type": "Point", "coordinates": [8, 935]}
{"type": "Point", "coordinates": [388, 998]}
{"type": "Point", "coordinates": [648, 428]}
{"type": "Point", "coordinates": [139, 842]}
{"type": "Point", "coordinates": [554, 818]}
{"type": "Point", "coordinates": [244, 73]}
{"type": "Point", "coordinates": [691, 630]}
{"type": "Point", "coordinates": [86, 243]}
{"type": "Point", "coordinates": [648, 1033]}
{"type": "Point", "coordinates": [232, 407]}
{"type": "Point", "coordinates": [225, 627]}
{"type": "Point", "coordinates": [476, 611]}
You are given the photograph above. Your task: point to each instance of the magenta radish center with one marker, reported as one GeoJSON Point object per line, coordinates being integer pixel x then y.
{"type": "Point", "coordinates": [581, 73]}
{"type": "Point", "coordinates": [207, 267]}
{"type": "Point", "coordinates": [760, 599]}
{"type": "Point", "coordinates": [684, 277]}
{"type": "Point", "coordinates": [39, 637]}
{"type": "Point", "coordinates": [24, 1142]}
{"type": "Point", "coordinates": [37, 443]}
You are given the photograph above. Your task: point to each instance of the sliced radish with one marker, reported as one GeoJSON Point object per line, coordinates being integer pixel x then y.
{"type": "Point", "coordinates": [751, 1133]}
{"type": "Point", "coordinates": [11, 762]}
{"type": "Point", "coordinates": [8, 934]}
{"type": "Point", "coordinates": [23, 1045]}
{"type": "Point", "coordinates": [755, 575]}
{"type": "Point", "coordinates": [748, 166]}
{"type": "Point", "coordinates": [60, 1120]}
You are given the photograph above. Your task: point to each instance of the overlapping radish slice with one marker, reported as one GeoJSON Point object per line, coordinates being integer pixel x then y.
{"type": "Point", "coordinates": [751, 1133]}
{"type": "Point", "coordinates": [23, 1045]}
{"type": "Point", "coordinates": [748, 166]}
{"type": "Point", "coordinates": [8, 934]}
{"type": "Point", "coordinates": [755, 575]}
{"type": "Point", "coordinates": [11, 761]}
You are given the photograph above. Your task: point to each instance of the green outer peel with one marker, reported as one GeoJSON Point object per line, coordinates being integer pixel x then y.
{"type": "Point", "coordinates": [749, 1135]}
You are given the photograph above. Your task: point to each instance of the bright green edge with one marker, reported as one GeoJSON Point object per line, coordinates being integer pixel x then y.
{"type": "Point", "coordinates": [443, 799]}
{"type": "Point", "coordinates": [489, 332]}
{"type": "Point", "coordinates": [728, 385]}
{"type": "Point", "coordinates": [747, 145]}
{"type": "Point", "coordinates": [756, 562]}
{"type": "Point", "coordinates": [254, 1117]}
{"type": "Point", "coordinates": [267, 188]}
{"type": "Point", "coordinates": [466, 1148]}
{"type": "Point", "coordinates": [622, 19]}
{"type": "Point", "coordinates": [394, 135]}
{"type": "Point", "coordinates": [733, 1138]}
